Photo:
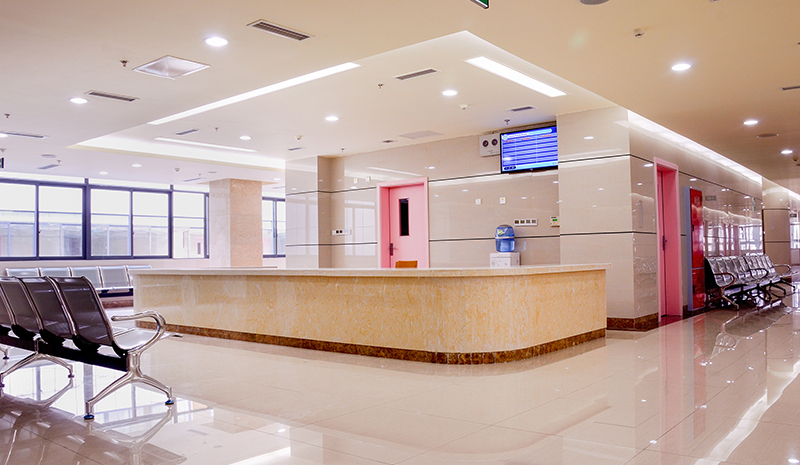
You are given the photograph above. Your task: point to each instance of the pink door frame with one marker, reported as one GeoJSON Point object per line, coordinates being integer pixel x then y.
{"type": "Point", "coordinates": [670, 292]}
{"type": "Point", "coordinates": [384, 261]}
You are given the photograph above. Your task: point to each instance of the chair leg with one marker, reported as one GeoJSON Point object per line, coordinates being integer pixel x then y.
{"type": "Point", "coordinates": [4, 349]}
{"type": "Point", "coordinates": [35, 357]}
{"type": "Point", "coordinates": [132, 376]}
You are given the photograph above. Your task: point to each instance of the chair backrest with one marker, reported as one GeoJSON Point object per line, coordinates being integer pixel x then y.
{"type": "Point", "coordinates": [56, 325]}
{"type": "Point", "coordinates": [19, 272]}
{"type": "Point", "coordinates": [114, 277]}
{"type": "Point", "coordinates": [6, 319]}
{"type": "Point", "coordinates": [54, 271]}
{"type": "Point", "coordinates": [81, 303]}
{"type": "Point", "coordinates": [135, 267]}
{"type": "Point", "coordinates": [26, 320]}
{"type": "Point", "coordinates": [90, 272]}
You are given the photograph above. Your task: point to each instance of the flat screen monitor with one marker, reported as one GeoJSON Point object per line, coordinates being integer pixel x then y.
{"type": "Point", "coordinates": [528, 150]}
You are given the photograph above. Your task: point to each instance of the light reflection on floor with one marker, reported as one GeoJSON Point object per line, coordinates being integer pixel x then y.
{"type": "Point", "coordinates": [691, 392]}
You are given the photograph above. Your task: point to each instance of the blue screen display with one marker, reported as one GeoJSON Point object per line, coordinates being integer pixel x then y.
{"type": "Point", "coordinates": [527, 150]}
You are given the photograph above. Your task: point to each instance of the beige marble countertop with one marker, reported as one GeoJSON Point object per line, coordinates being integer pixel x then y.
{"type": "Point", "coordinates": [376, 272]}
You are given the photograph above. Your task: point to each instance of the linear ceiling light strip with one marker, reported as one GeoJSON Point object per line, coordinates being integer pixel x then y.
{"type": "Point", "coordinates": [515, 76]}
{"type": "Point", "coordinates": [258, 92]}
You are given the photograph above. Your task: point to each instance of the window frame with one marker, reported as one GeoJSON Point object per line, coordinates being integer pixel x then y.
{"type": "Point", "coordinates": [274, 201]}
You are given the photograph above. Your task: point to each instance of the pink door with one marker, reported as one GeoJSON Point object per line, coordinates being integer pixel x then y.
{"type": "Point", "coordinates": [408, 225]}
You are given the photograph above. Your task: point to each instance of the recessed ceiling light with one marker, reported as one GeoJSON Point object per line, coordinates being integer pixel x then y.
{"type": "Point", "coordinates": [787, 152]}
{"type": "Point", "coordinates": [431, 167]}
{"type": "Point", "coordinates": [555, 182]}
{"type": "Point", "coordinates": [648, 165]}
{"type": "Point", "coordinates": [515, 76]}
{"type": "Point", "coordinates": [450, 93]}
{"type": "Point", "coordinates": [103, 173]}
{"type": "Point", "coordinates": [332, 118]}
{"type": "Point", "coordinates": [245, 137]}
{"type": "Point", "coordinates": [681, 66]}
{"type": "Point", "coordinates": [464, 190]}
{"type": "Point", "coordinates": [136, 165]}
{"type": "Point", "coordinates": [276, 179]}
{"type": "Point", "coordinates": [639, 184]}
{"type": "Point", "coordinates": [3, 135]}
{"type": "Point", "coordinates": [588, 137]}
{"type": "Point", "coordinates": [258, 92]}
{"type": "Point", "coordinates": [217, 41]}
{"type": "Point", "coordinates": [751, 122]}
{"type": "Point", "coordinates": [78, 100]}
{"type": "Point", "coordinates": [692, 179]}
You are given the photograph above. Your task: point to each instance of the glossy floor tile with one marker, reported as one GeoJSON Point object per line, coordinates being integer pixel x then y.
{"type": "Point", "coordinates": [720, 388]}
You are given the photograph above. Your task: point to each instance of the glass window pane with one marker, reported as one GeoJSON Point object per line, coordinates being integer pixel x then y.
{"type": "Point", "coordinates": [188, 225]}
{"type": "Point", "coordinates": [110, 216]}
{"type": "Point", "coordinates": [60, 221]}
{"type": "Point", "coordinates": [267, 227]}
{"type": "Point", "coordinates": [281, 213]}
{"type": "Point", "coordinates": [17, 209]}
{"type": "Point", "coordinates": [150, 224]}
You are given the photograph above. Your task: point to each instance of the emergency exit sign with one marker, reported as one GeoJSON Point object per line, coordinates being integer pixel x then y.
{"type": "Point", "coordinates": [483, 3]}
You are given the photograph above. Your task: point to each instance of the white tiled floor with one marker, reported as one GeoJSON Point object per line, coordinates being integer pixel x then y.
{"type": "Point", "coordinates": [685, 393]}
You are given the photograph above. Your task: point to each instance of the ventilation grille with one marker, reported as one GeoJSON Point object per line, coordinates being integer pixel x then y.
{"type": "Point", "coordinates": [123, 98]}
{"type": "Point", "coordinates": [523, 108]}
{"type": "Point", "coordinates": [193, 179]}
{"type": "Point", "coordinates": [187, 131]}
{"type": "Point", "coordinates": [389, 141]}
{"type": "Point", "coordinates": [279, 30]}
{"type": "Point", "coordinates": [23, 134]}
{"type": "Point", "coordinates": [295, 148]}
{"type": "Point", "coordinates": [47, 167]}
{"type": "Point", "coordinates": [791, 88]}
{"type": "Point", "coordinates": [416, 74]}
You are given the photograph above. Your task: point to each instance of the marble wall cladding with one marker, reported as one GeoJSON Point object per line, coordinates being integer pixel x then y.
{"type": "Point", "coordinates": [616, 249]}
{"type": "Point", "coordinates": [437, 314]}
{"type": "Point", "coordinates": [542, 250]}
{"type": "Point", "coordinates": [235, 237]}
{"type": "Point", "coordinates": [354, 255]}
{"type": "Point", "coordinates": [645, 274]}
{"type": "Point", "coordinates": [595, 195]}
{"type": "Point", "coordinates": [643, 192]}
{"type": "Point", "coordinates": [593, 134]}
{"type": "Point", "coordinates": [456, 214]}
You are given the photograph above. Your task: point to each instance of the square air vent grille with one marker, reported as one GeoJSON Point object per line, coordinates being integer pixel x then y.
{"type": "Point", "coordinates": [279, 30]}
{"type": "Point", "coordinates": [170, 67]}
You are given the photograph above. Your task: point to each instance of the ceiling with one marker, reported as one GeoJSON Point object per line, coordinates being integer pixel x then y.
{"type": "Point", "coordinates": [742, 55]}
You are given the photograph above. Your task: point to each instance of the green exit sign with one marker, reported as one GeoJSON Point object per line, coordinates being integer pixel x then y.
{"type": "Point", "coordinates": [483, 3]}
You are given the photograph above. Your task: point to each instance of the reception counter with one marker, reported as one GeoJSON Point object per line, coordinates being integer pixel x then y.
{"type": "Point", "coordinates": [453, 316]}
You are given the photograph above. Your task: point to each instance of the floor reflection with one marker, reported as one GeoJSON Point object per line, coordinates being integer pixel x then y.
{"type": "Point", "coordinates": [717, 388]}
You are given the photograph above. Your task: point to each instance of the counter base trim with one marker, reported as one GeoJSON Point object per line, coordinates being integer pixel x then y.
{"type": "Point", "coordinates": [446, 358]}
{"type": "Point", "coordinates": [643, 323]}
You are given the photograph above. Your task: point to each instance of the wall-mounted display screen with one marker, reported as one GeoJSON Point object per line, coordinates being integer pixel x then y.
{"type": "Point", "coordinates": [531, 149]}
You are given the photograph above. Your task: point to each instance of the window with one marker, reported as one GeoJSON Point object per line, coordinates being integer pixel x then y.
{"type": "Point", "coordinates": [150, 224]}
{"type": "Point", "coordinates": [17, 220]}
{"type": "Point", "coordinates": [188, 225]}
{"type": "Point", "coordinates": [794, 231]}
{"type": "Point", "coordinates": [60, 221]}
{"type": "Point", "coordinates": [111, 223]}
{"type": "Point", "coordinates": [273, 227]}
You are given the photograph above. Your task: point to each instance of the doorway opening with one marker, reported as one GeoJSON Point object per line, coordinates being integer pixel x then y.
{"type": "Point", "coordinates": [670, 295]}
{"type": "Point", "coordinates": [403, 234]}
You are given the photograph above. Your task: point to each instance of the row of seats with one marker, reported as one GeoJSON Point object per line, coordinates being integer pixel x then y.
{"type": "Point", "coordinates": [744, 277]}
{"type": "Point", "coordinates": [105, 279]}
{"type": "Point", "coordinates": [62, 318]}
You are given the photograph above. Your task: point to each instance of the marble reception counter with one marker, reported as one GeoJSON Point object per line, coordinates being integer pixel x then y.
{"type": "Point", "coordinates": [455, 316]}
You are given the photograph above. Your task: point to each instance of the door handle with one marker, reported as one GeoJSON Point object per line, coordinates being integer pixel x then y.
{"type": "Point", "coordinates": [391, 249]}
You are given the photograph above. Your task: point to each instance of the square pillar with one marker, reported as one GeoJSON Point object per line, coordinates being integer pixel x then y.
{"type": "Point", "coordinates": [234, 217]}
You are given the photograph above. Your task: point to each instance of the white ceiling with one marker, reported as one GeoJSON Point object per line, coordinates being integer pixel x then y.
{"type": "Point", "coordinates": [50, 51]}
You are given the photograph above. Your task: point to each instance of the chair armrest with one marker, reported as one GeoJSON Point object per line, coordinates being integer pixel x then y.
{"type": "Point", "coordinates": [733, 279]}
{"type": "Point", "coordinates": [160, 326]}
{"type": "Point", "coordinates": [788, 272]}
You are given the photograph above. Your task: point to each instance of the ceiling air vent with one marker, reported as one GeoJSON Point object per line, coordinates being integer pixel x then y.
{"type": "Point", "coordinates": [170, 67]}
{"type": "Point", "coordinates": [523, 108]}
{"type": "Point", "coordinates": [420, 134]}
{"type": "Point", "coordinates": [279, 30]}
{"type": "Point", "coordinates": [123, 98]}
{"type": "Point", "coordinates": [186, 132]}
{"type": "Point", "coordinates": [295, 148]}
{"type": "Point", "coordinates": [389, 141]}
{"type": "Point", "coordinates": [790, 88]}
{"type": "Point", "coordinates": [23, 134]}
{"type": "Point", "coordinates": [415, 74]}
{"type": "Point", "coordinates": [51, 165]}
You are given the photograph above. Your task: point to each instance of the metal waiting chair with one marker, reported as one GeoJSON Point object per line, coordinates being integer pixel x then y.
{"type": "Point", "coordinates": [92, 330]}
